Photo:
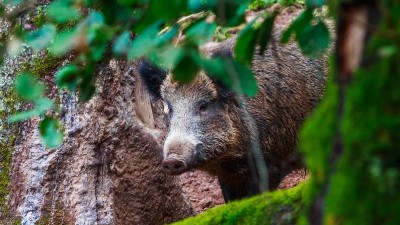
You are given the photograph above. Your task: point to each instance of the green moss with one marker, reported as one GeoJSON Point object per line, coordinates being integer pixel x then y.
{"type": "Point", "coordinates": [278, 207]}
{"type": "Point", "coordinates": [362, 186]}
{"type": "Point", "coordinates": [42, 65]}
{"type": "Point", "coordinates": [10, 102]}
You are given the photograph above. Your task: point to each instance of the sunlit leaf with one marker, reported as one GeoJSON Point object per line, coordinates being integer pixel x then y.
{"type": "Point", "coordinates": [41, 38]}
{"type": "Point", "coordinates": [23, 115]}
{"type": "Point", "coordinates": [201, 32]}
{"type": "Point", "coordinates": [50, 130]}
{"type": "Point", "coordinates": [28, 87]}
{"type": "Point", "coordinates": [144, 42]}
{"type": "Point", "coordinates": [43, 104]}
{"type": "Point", "coordinates": [122, 43]}
{"type": "Point", "coordinates": [314, 39]}
{"type": "Point", "coordinates": [68, 77]}
{"type": "Point", "coordinates": [63, 11]}
{"type": "Point", "coordinates": [64, 41]}
{"type": "Point", "coordinates": [168, 57]}
{"type": "Point", "coordinates": [14, 46]}
{"type": "Point", "coordinates": [246, 42]}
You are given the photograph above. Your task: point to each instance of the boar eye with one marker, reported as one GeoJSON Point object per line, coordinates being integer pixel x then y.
{"type": "Point", "coordinates": [203, 106]}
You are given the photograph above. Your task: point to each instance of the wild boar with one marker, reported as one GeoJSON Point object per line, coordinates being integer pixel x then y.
{"type": "Point", "coordinates": [211, 130]}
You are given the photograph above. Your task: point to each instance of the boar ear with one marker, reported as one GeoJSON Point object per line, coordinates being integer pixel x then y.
{"type": "Point", "coordinates": [224, 92]}
{"type": "Point", "coordinates": [152, 76]}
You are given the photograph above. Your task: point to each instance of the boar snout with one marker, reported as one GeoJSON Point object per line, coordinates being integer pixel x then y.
{"type": "Point", "coordinates": [173, 166]}
{"type": "Point", "coordinates": [180, 156]}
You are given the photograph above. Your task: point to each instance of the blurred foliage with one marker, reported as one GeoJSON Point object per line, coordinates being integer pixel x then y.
{"type": "Point", "coordinates": [362, 185]}
{"type": "Point", "coordinates": [91, 30]}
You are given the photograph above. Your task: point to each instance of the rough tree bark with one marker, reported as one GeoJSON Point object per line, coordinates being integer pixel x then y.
{"type": "Point", "coordinates": [108, 169]}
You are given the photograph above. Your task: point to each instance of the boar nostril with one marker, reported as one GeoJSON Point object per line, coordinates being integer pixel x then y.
{"type": "Point", "coordinates": [173, 166]}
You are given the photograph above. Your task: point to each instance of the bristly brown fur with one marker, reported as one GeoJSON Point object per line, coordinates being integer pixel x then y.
{"type": "Point", "coordinates": [290, 85]}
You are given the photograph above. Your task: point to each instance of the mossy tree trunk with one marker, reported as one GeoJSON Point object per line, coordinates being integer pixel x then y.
{"type": "Point", "coordinates": [352, 142]}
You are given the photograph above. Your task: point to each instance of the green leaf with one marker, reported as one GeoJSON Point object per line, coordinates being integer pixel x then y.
{"type": "Point", "coordinates": [50, 130]}
{"type": "Point", "coordinates": [63, 42]}
{"type": "Point", "coordinates": [62, 11]}
{"type": "Point", "coordinates": [23, 115]}
{"type": "Point", "coordinates": [231, 73]}
{"type": "Point", "coordinates": [122, 43]}
{"type": "Point", "coordinates": [68, 77]}
{"type": "Point", "coordinates": [314, 39]}
{"type": "Point", "coordinates": [86, 90]}
{"type": "Point", "coordinates": [302, 20]}
{"type": "Point", "coordinates": [167, 57]}
{"type": "Point", "coordinates": [265, 32]}
{"type": "Point", "coordinates": [202, 5]}
{"type": "Point", "coordinates": [144, 42]}
{"type": "Point", "coordinates": [314, 3]}
{"type": "Point", "coordinates": [12, 2]}
{"type": "Point", "coordinates": [186, 69]}
{"type": "Point", "coordinates": [201, 32]}
{"type": "Point", "coordinates": [41, 38]}
{"type": "Point", "coordinates": [162, 10]}
{"type": "Point", "coordinates": [28, 87]}
{"type": "Point", "coordinates": [231, 13]}
{"type": "Point", "coordinates": [41, 106]}
{"type": "Point", "coordinates": [246, 43]}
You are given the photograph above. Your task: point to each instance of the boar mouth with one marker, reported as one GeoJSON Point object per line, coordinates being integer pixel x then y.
{"type": "Point", "coordinates": [174, 165]}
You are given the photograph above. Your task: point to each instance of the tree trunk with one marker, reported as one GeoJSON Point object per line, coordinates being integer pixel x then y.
{"type": "Point", "coordinates": [108, 169]}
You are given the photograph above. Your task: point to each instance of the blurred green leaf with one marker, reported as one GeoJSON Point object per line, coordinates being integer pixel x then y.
{"type": "Point", "coordinates": [314, 39]}
{"type": "Point", "coordinates": [41, 38]}
{"type": "Point", "coordinates": [86, 89]}
{"type": "Point", "coordinates": [28, 87]}
{"type": "Point", "coordinates": [246, 42]}
{"type": "Point", "coordinates": [23, 115]}
{"type": "Point", "coordinates": [121, 44]}
{"type": "Point", "coordinates": [144, 42]}
{"type": "Point", "coordinates": [50, 130]}
{"type": "Point", "coordinates": [163, 10]}
{"type": "Point", "coordinates": [12, 2]}
{"type": "Point", "coordinates": [314, 3]}
{"type": "Point", "coordinates": [64, 41]}
{"type": "Point", "coordinates": [186, 69]}
{"type": "Point", "coordinates": [265, 32]}
{"type": "Point", "coordinates": [168, 57]}
{"type": "Point", "coordinates": [68, 77]}
{"type": "Point", "coordinates": [231, 73]}
{"type": "Point", "coordinates": [302, 20]}
{"type": "Point", "coordinates": [228, 13]}
{"type": "Point", "coordinates": [41, 106]}
{"type": "Point", "coordinates": [202, 5]}
{"type": "Point", "coordinates": [62, 11]}
{"type": "Point", "coordinates": [201, 32]}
